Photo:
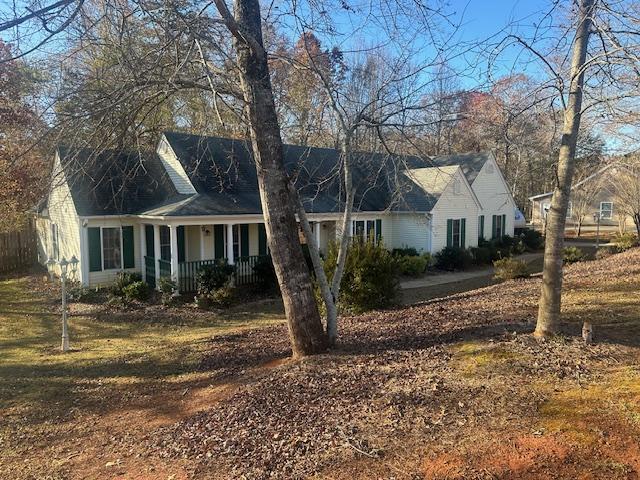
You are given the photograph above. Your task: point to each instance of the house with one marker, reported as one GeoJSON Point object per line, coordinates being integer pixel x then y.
{"type": "Point", "coordinates": [595, 194]}
{"type": "Point", "coordinates": [196, 199]}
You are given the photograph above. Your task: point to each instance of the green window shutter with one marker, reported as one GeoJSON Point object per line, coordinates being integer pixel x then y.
{"type": "Point", "coordinates": [262, 239]}
{"type": "Point", "coordinates": [379, 229]}
{"type": "Point", "coordinates": [128, 252]}
{"type": "Point", "coordinates": [95, 250]}
{"type": "Point", "coordinates": [504, 225]}
{"type": "Point", "coordinates": [449, 232]}
{"type": "Point", "coordinates": [218, 240]}
{"type": "Point", "coordinates": [493, 226]}
{"type": "Point", "coordinates": [149, 240]}
{"type": "Point", "coordinates": [463, 228]}
{"type": "Point", "coordinates": [244, 240]}
{"type": "Point", "coordinates": [481, 226]}
{"type": "Point", "coordinates": [181, 254]}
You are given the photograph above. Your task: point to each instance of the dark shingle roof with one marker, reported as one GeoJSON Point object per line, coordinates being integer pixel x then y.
{"type": "Point", "coordinates": [470, 163]}
{"type": "Point", "coordinates": [114, 183]}
{"type": "Point", "coordinates": [223, 173]}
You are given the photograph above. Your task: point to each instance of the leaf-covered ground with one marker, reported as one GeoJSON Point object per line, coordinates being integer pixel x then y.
{"type": "Point", "coordinates": [450, 389]}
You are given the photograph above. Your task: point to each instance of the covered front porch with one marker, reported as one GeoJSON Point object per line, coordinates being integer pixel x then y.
{"type": "Point", "coordinates": [178, 250]}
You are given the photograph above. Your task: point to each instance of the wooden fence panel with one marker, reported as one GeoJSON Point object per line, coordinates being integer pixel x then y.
{"type": "Point", "coordinates": [18, 250]}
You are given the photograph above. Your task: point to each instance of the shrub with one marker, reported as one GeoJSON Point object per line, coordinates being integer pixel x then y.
{"type": "Point", "coordinates": [532, 239]}
{"type": "Point", "coordinates": [453, 258]}
{"type": "Point", "coordinates": [370, 278]}
{"type": "Point", "coordinates": [412, 265]}
{"type": "Point", "coordinates": [625, 241]}
{"type": "Point", "coordinates": [604, 252]}
{"type": "Point", "coordinates": [220, 297]}
{"type": "Point", "coordinates": [77, 293]}
{"type": "Point", "coordinates": [404, 252]}
{"type": "Point", "coordinates": [510, 268]}
{"type": "Point", "coordinates": [214, 276]}
{"type": "Point", "coordinates": [223, 297]}
{"type": "Point", "coordinates": [572, 255]}
{"type": "Point", "coordinates": [266, 273]}
{"type": "Point", "coordinates": [168, 288]}
{"type": "Point", "coordinates": [481, 255]}
{"type": "Point", "coordinates": [136, 291]}
{"type": "Point", "coordinates": [124, 279]}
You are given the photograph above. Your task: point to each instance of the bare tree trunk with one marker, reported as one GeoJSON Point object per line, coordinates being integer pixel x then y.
{"type": "Point", "coordinates": [305, 326]}
{"type": "Point", "coordinates": [345, 237]}
{"type": "Point", "coordinates": [550, 297]}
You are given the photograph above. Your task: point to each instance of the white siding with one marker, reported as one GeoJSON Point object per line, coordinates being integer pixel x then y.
{"type": "Point", "coordinates": [454, 206]}
{"type": "Point", "coordinates": [409, 230]}
{"type": "Point", "coordinates": [107, 277]}
{"type": "Point", "coordinates": [174, 168]}
{"type": "Point", "coordinates": [494, 196]}
{"type": "Point", "coordinates": [62, 212]}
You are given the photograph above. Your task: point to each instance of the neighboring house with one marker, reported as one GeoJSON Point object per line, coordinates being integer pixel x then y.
{"type": "Point", "coordinates": [196, 200]}
{"type": "Point", "coordinates": [595, 194]}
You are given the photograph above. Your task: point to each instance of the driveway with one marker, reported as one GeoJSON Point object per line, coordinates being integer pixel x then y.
{"type": "Point", "coordinates": [454, 277]}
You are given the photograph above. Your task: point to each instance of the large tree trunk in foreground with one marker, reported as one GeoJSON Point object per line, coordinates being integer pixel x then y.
{"type": "Point", "coordinates": [550, 298]}
{"type": "Point", "coordinates": [305, 327]}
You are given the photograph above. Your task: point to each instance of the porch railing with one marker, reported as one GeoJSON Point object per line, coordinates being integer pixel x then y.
{"type": "Point", "coordinates": [165, 268]}
{"type": "Point", "coordinates": [188, 272]}
{"type": "Point", "coordinates": [244, 273]}
{"type": "Point", "coordinates": [150, 271]}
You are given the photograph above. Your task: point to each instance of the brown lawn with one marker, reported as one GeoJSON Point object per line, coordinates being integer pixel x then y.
{"type": "Point", "coordinates": [451, 389]}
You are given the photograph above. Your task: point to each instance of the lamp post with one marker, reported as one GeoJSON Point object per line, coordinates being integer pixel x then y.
{"type": "Point", "coordinates": [596, 218]}
{"type": "Point", "coordinates": [64, 268]}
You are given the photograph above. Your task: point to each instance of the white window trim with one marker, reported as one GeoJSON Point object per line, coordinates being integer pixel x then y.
{"type": "Point", "coordinates": [376, 234]}
{"type": "Point", "coordinates": [453, 232]}
{"type": "Point", "coordinates": [102, 250]}
{"type": "Point", "coordinates": [610, 211]}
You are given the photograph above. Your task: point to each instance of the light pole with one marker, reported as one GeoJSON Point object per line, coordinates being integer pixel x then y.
{"type": "Point", "coordinates": [596, 218]}
{"type": "Point", "coordinates": [64, 266]}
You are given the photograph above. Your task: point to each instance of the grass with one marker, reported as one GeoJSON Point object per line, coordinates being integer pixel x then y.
{"type": "Point", "coordinates": [107, 349]}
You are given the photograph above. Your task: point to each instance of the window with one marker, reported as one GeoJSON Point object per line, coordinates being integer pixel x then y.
{"type": "Point", "coordinates": [165, 243]}
{"type": "Point", "coordinates": [544, 209]}
{"type": "Point", "coordinates": [367, 229]}
{"type": "Point", "coordinates": [111, 248]}
{"type": "Point", "coordinates": [490, 169]}
{"type": "Point", "coordinates": [456, 187]}
{"type": "Point", "coordinates": [606, 210]}
{"type": "Point", "coordinates": [55, 247]}
{"type": "Point", "coordinates": [456, 232]}
{"type": "Point", "coordinates": [498, 226]}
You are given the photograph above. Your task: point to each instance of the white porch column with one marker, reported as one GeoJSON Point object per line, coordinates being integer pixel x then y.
{"type": "Point", "coordinates": [317, 234]}
{"type": "Point", "coordinates": [230, 244]}
{"type": "Point", "coordinates": [173, 239]}
{"type": "Point", "coordinates": [84, 255]}
{"type": "Point", "coordinates": [202, 229]}
{"type": "Point", "coordinates": [143, 252]}
{"type": "Point", "coordinates": [156, 254]}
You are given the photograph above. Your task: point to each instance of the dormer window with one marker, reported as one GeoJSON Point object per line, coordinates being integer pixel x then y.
{"type": "Point", "coordinates": [490, 168]}
{"type": "Point", "coordinates": [456, 187]}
